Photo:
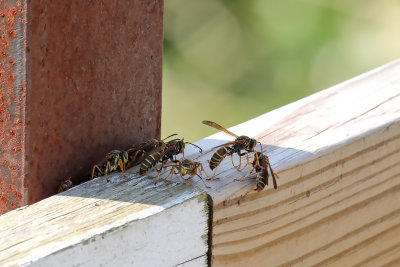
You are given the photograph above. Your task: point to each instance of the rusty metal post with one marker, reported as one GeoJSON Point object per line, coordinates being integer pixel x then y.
{"type": "Point", "coordinates": [78, 79]}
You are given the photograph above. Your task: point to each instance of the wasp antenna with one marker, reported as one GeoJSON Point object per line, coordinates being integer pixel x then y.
{"type": "Point", "coordinates": [169, 136]}
{"type": "Point", "coordinates": [200, 149]}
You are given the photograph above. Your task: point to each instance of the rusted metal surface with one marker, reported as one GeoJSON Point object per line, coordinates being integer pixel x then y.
{"type": "Point", "coordinates": [93, 72]}
{"type": "Point", "coordinates": [12, 105]}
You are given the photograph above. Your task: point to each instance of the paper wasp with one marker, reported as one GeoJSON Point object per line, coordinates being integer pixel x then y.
{"type": "Point", "coordinates": [241, 143]}
{"type": "Point", "coordinates": [137, 153]}
{"type": "Point", "coordinates": [164, 153]}
{"type": "Point", "coordinates": [114, 160]}
{"type": "Point", "coordinates": [261, 165]}
{"type": "Point", "coordinates": [188, 167]}
{"type": "Point", "coordinates": [65, 185]}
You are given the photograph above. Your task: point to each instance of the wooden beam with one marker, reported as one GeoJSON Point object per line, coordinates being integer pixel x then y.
{"type": "Point", "coordinates": [337, 154]}
{"type": "Point", "coordinates": [129, 221]}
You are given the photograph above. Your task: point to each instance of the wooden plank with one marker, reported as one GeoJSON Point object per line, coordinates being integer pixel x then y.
{"type": "Point", "coordinates": [337, 153]}
{"type": "Point", "coordinates": [129, 221]}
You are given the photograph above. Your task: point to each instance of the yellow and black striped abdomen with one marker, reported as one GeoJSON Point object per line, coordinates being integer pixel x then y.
{"type": "Point", "coordinates": [262, 181]}
{"type": "Point", "coordinates": [149, 163]}
{"type": "Point", "coordinates": [218, 156]}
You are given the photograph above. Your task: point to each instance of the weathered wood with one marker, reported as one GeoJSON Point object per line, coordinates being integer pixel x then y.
{"type": "Point", "coordinates": [337, 154]}
{"type": "Point", "coordinates": [129, 221]}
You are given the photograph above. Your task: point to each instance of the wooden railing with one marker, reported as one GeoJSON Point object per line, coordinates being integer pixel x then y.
{"type": "Point", "coordinates": [337, 154]}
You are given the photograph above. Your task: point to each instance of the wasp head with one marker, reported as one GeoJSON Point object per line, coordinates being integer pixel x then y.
{"type": "Point", "coordinates": [67, 184]}
{"type": "Point", "coordinates": [178, 146]}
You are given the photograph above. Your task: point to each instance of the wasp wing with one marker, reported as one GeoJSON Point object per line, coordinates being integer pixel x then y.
{"type": "Point", "coordinates": [231, 143]}
{"type": "Point", "coordinates": [145, 146]}
{"type": "Point", "coordinates": [219, 127]}
{"type": "Point", "coordinates": [273, 177]}
{"type": "Point", "coordinates": [140, 159]}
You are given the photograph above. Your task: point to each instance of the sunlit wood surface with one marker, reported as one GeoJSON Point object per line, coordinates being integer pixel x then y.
{"type": "Point", "coordinates": [127, 222]}
{"type": "Point", "coordinates": [337, 153]}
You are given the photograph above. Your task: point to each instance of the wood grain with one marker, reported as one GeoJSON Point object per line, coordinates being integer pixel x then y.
{"type": "Point", "coordinates": [337, 153]}
{"type": "Point", "coordinates": [129, 221]}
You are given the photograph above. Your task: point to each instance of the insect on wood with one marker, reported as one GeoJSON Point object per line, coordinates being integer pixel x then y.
{"type": "Point", "coordinates": [166, 152]}
{"type": "Point", "coordinates": [188, 167]}
{"type": "Point", "coordinates": [241, 143]}
{"type": "Point", "coordinates": [262, 167]}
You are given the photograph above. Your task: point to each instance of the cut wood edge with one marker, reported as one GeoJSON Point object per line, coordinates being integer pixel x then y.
{"type": "Point", "coordinates": [125, 221]}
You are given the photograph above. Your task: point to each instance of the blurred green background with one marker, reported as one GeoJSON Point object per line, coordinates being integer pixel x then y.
{"type": "Point", "coordinates": [232, 60]}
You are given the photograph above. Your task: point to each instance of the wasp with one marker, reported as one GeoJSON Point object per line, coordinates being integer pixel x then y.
{"type": "Point", "coordinates": [114, 160]}
{"type": "Point", "coordinates": [65, 185]}
{"type": "Point", "coordinates": [137, 153]}
{"type": "Point", "coordinates": [188, 167]}
{"type": "Point", "coordinates": [164, 153]}
{"type": "Point", "coordinates": [241, 143]}
{"type": "Point", "coordinates": [261, 165]}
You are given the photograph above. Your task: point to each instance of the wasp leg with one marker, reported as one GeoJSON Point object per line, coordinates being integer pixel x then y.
{"type": "Point", "coordinates": [250, 191]}
{"type": "Point", "coordinates": [94, 168]}
{"type": "Point", "coordinates": [158, 175]}
{"type": "Point", "coordinates": [195, 173]}
{"type": "Point", "coordinates": [159, 171]}
{"type": "Point", "coordinates": [202, 169]}
{"type": "Point", "coordinates": [107, 167]}
{"type": "Point", "coordinates": [244, 177]}
{"type": "Point", "coordinates": [240, 161]}
{"type": "Point", "coordinates": [233, 163]}
{"type": "Point", "coordinates": [211, 178]}
{"type": "Point", "coordinates": [158, 178]}
{"type": "Point", "coordinates": [176, 173]}
{"type": "Point", "coordinates": [188, 179]}
{"type": "Point", "coordinates": [201, 176]}
{"type": "Point", "coordinates": [122, 167]}
{"type": "Point", "coordinates": [247, 175]}
{"type": "Point", "coordinates": [171, 173]}
{"type": "Point", "coordinates": [247, 161]}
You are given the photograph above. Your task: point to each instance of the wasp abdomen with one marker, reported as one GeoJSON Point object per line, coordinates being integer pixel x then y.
{"type": "Point", "coordinates": [260, 185]}
{"type": "Point", "coordinates": [148, 163]}
{"type": "Point", "coordinates": [218, 156]}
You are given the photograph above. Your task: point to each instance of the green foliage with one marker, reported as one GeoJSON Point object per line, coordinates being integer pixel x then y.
{"type": "Point", "coordinates": [231, 60]}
